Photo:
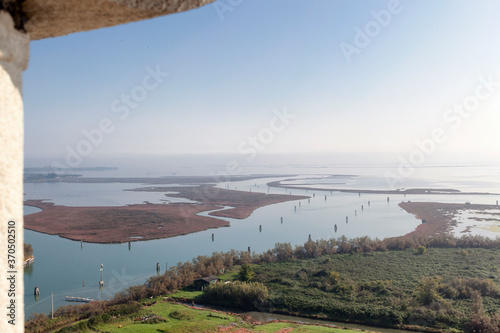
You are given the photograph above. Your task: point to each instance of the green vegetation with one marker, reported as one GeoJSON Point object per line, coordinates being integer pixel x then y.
{"type": "Point", "coordinates": [421, 250]}
{"type": "Point", "coordinates": [393, 288]}
{"type": "Point", "coordinates": [188, 293]}
{"type": "Point", "coordinates": [161, 316]}
{"type": "Point", "coordinates": [246, 273]}
{"type": "Point", "coordinates": [451, 285]}
{"type": "Point", "coordinates": [249, 295]}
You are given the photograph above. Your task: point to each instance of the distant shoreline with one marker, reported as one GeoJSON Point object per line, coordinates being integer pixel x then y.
{"type": "Point", "coordinates": [398, 191]}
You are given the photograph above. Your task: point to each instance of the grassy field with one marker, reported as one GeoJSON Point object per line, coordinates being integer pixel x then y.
{"type": "Point", "coordinates": [383, 287]}
{"type": "Point", "coordinates": [170, 317]}
{"type": "Point", "coordinates": [435, 288]}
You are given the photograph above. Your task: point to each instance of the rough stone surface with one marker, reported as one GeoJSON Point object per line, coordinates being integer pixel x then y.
{"type": "Point", "coordinates": [51, 18]}
{"type": "Point", "coordinates": [14, 53]}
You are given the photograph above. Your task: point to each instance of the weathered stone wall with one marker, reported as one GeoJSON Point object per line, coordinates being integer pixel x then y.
{"type": "Point", "coordinates": [51, 18]}
{"type": "Point", "coordinates": [14, 53]}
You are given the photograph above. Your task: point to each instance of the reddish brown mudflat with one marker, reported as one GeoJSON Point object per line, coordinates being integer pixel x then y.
{"type": "Point", "coordinates": [439, 217]}
{"type": "Point", "coordinates": [147, 221]}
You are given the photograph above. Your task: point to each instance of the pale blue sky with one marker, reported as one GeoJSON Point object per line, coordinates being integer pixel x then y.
{"type": "Point", "coordinates": [228, 73]}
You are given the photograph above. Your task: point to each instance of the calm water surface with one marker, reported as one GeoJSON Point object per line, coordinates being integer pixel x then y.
{"type": "Point", "coordinates": [68, 268]}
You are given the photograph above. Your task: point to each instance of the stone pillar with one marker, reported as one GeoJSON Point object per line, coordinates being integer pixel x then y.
{"type": "Point", "coordinates": [14, 54]}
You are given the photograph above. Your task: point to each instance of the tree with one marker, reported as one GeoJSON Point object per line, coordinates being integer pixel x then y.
{"type": "Point", "coordinates": [427, 290]}
{"type": "Point", "coordinates": [246, 273]}
{"type": "Point", "coordinates": [28, 251]}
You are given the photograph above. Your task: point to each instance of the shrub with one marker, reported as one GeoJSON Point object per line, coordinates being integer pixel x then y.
{"type": "Point", "coordinates": [180, 315]}
{"type": "Point", "coordinates": [246, 273]}
{"type": "Point", "coordinates": [251, 295]}
{"type": "Point", "coordinates": [427, 290]}
{"type": "Point", "coordinates": [421, 250]}
{"type": "Point", "coordinates": [481, 323]}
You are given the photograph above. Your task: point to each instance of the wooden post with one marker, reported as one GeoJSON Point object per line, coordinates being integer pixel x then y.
{"type": "Point", "coordinates": [101, 283]}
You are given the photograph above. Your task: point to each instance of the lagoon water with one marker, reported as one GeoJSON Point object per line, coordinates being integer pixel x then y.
{"type": "Point", "coordinates": [68, 268]}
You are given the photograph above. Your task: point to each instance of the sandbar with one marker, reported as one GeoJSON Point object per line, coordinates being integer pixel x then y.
{"type": "Point", "coordinates": [438, 217]}
{"type": "Point", "coordinates": [244, 202]}
{"type": "Point", "coordinates": [446, 191]}
{"type": "Point", "coordinates": [148, 221]}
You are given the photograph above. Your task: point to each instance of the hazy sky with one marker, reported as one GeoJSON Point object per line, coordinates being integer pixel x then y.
{"type": "Point", "coordinates": [267, 76]}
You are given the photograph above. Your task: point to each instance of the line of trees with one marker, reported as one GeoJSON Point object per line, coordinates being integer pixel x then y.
{"type": "Point", "coordinates": [183, 274]}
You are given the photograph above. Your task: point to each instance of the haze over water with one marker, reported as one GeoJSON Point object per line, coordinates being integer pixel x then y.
{"type": "Point", "coordinates": [62, 266]}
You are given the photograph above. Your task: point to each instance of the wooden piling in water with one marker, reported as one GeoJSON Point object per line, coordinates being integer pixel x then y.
{"type": "Point", "coordinates": [37, 291]}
